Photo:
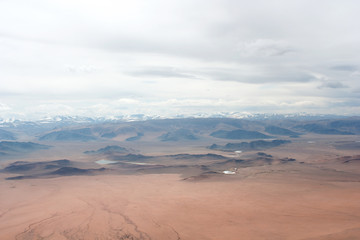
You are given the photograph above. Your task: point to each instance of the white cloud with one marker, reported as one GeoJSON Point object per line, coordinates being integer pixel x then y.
{"type": "Point", "coordinates": [264, 48]}
{"type": "Point", "coordinates": [53, 109]}
{"type": "Point", "coordinates": [332, 84]}
{"type": "Point", "coordinates": [110, 57]}
{"type": "Point", "coordinates": [4, 107]}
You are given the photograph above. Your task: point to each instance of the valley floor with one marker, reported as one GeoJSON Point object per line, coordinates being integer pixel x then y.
{"type": "Point", "coordinates": [268, 202]}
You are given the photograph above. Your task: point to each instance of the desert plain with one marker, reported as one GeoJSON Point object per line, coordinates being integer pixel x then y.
{"type": "Point", "coordinates": [308, 189]}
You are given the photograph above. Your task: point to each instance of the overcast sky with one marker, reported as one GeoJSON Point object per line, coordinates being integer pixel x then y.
{"type": "Point", "coordinates": [169, 57]}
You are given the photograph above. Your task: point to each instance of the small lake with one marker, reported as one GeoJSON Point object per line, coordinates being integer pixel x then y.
{"type": "Point", "coordinates": [105, 162]}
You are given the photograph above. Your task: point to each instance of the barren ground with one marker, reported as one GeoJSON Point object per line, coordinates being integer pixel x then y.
{"type": "Point", "coordinates": [316, 200]}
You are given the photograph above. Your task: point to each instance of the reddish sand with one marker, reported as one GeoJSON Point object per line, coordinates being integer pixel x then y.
{"type": "Point", "coordinates": [266, 206]}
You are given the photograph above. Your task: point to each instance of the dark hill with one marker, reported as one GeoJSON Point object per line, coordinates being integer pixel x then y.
{"type": "Point", "coordinates": [281, 131]}
{"type": "Point", "coordinates": [21, 167]}
{"type": "Point", "coordinates": [350, 125]}
{"type": "Point", "coordinates": [196, 123]}
{"type": "Point", "coordinates": [83, 134]}
{"type": "Point", "coordinates": [320, 129]}
{"type": "Point", "coordinates": [135, 138]}
{"type": "Point", "coordinates": [249, 146]}
{"type": "Point", "coordinates": [180, 134]}
{"type": "Point", "coordinates": [6, 135]}
{"type": "Point", "coordinates": [197, 156]}
{"type": "Point", "coordinates": [69, 171]}
{"type": "Point", "coordinates": [120, 131]}
{"type": "Point", "coordinates": [109, 150]}
{"type": "Point", "coordinates": [239, 134]}
{"type": "Point", "coordinates": [109, 135]}
{"type": "Point", "coordinates": [10, 148]}
{"type": "Point", "coordinates": [348, 145]}
{"type": "Point", "coordinates": [132, 157]}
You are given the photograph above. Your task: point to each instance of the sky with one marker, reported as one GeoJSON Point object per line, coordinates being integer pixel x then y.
{"type": "Point", "coordinates": [178, 57]}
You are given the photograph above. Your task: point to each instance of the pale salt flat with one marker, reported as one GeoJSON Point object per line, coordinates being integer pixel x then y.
{"type": "Point", "coordinates": [104, 162]}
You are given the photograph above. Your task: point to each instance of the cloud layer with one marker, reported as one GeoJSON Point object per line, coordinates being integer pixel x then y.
{"type": "Point", "coordinates": [167, 57]}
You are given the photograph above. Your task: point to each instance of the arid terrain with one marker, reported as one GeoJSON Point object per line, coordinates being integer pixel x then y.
{"type": "Point", "coordinates": [169, 183]}
{"type": "Point", "coordinates": [179, 120]}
